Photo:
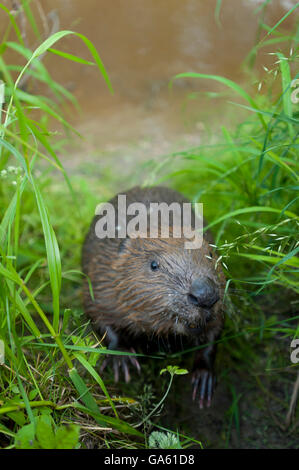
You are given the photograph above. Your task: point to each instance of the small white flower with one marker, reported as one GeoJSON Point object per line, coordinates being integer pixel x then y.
{"type": "Point", "coordinates": [11, 169]}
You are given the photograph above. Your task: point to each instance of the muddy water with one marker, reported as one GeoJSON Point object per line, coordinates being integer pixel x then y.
{"type": "Point", "coordinates": [143, 44]}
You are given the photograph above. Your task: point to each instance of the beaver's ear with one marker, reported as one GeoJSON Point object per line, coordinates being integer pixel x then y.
{"type": "Point", "coordinates": [123, 244]}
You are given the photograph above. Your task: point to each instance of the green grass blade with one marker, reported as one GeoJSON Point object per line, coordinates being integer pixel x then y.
{"type": "Point", "coordinates": [247, 210]}
{"type": "Point", "coordinates": [71, 57]}
{"type": "Point", "coordinates": [53, 254]}
{"type": "Point", "coordinates": [30, 16]}
{"type": "Point", "coordinates": [97, 378]}
{"type": "Point", "coordinates": [85, 395]}
{"type": "Point", "coordinates": [112, 422]}
{"type": "Point", "coordinates": [229, 83]}
{"type": "Point", "coordinates": [279, 22]}
{"type": "Point", "coordinates": [47, 44]}
{"type": "Point", "coordinates": [14, 24]}
{"type": "Point", "coordinates": [286, 88]}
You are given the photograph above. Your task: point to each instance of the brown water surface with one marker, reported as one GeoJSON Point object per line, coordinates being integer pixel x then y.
{"type": "Point", "coordinates": [143, 44]}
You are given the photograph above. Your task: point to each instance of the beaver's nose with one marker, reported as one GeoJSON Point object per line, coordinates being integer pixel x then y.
{"type": "Point", "coordinates": [203, 292]}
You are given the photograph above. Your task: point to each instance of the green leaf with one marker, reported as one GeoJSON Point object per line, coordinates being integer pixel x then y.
{"type": "Point", "coordinates": [30, 17]}
{"type": "Point", "coordinates": [161, 440]}
{"type": "Point", "coordinates": [14, 151]}
{"type": "Point", "coordinates": [112, 422]}
{"type": "Point", "coordinates": [97, 378]}
{"type": "Point", "coordinates": [226, 81]}
{"type": "Point", "coordinates": [44, 432]}
{"type": "Point", "coordinates": [14, 24]}
{"type": "Point", "coordinates": [71, 57]}
{"type": "Point", "coordinates": [85, 395]}
{"type": "Point", "coordinates": [271, 30]}
{"type": "Point", "coordinates": [67, 436]}
{"type": "Point", "coordinates": [5, 430]}
{"type": "Point", "coordinates": [53, 254]}
{"type": "Point", "coordinates": [174, 370]}
{"type": "Point", "coordinates": [247, 210]}
{"type": "Point", "coordinates": [25, 437]}
{"type": "Point", "coordinates": [47, 44]}
{"type": "Point", "coordinates": [17, 416]}
{"type": "Point", "coordinates": [286, 88]}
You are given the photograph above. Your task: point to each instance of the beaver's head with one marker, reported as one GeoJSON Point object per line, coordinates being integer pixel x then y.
{"type": "Point", "coordinates": [161, 287]}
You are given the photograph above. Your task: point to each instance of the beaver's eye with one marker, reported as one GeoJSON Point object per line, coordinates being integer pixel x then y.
{"type": "Point", "coordinates": [154, 265]}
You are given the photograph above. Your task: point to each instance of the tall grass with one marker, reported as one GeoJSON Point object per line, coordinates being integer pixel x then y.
{"type": "Point", "coordinates": [248, 182]}
{"type": "Point", "coordinates": [25, 323]}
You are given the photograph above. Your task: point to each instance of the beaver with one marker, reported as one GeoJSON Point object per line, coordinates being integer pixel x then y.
{"type": "Point", "coordinates": [154, 292]}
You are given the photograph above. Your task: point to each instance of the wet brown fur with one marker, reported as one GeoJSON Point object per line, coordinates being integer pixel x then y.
{"type": "Point", "coordinates": [133, 300]}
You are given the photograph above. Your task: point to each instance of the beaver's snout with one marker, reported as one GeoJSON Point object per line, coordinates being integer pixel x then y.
{"type": "Point", "coordinates": [204, 292]}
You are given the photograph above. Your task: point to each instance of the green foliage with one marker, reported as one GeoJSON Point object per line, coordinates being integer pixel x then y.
{"type": "Point", "coordinates": [174, 370]}
{"type": "Point", "coordinates": [161, 440]}
{"type": "Point", "coordinates": [248, 182]}
{"type": "Point", "coordinates": [44, 434]}
{"type": "Point", "coordinates": [31, 267]}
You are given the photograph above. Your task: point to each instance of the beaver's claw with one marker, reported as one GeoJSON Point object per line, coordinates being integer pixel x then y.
{"type": "Point", "coordinates": [121, 362]}
{"type": "Point", "coordinates": [204, 381]}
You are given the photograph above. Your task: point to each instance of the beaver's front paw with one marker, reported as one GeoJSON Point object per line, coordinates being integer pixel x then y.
{"type": "Point", "coordinates": [203, 381]}
{"type": "Point", "coordinates": [121, 363]}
